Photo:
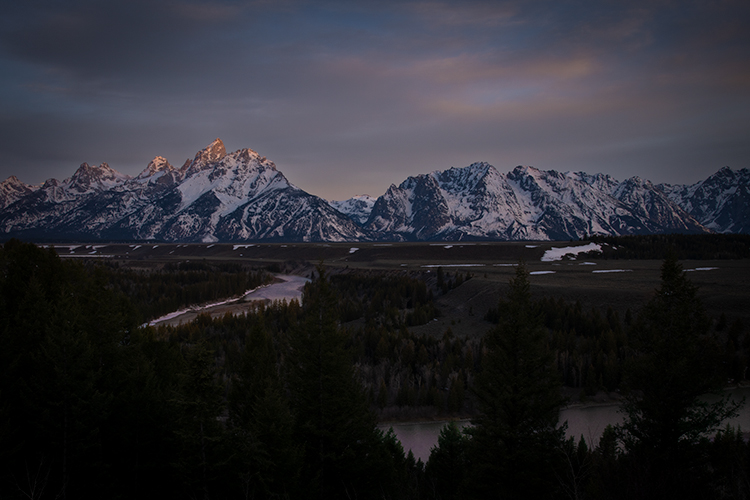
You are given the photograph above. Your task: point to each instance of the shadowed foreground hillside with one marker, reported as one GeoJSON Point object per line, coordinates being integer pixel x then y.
{"type": "Point", "coordinates": [284, 399]}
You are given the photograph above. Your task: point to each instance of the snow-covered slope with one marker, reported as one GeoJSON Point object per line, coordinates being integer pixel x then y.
{"type": "Point", "coordinates": [721, 202]}
{"type": "Point", "coordinates": [12, 190]}
{"type": "Point", "coordinates": [357, 208]}
{"type": "Point", "coordinates": [478, 202]}
{"type": "Point", "coordinates": [217, 196]}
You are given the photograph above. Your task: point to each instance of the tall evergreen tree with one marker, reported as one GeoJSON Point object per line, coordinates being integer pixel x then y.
{"type": "Point", "coordinates": [63, 345]}
{"type": "Point", "coordinates": [677, 362]}
{"type": "Point", "coordinates": [200, 403]}
{"type": "Point", "coordinates": [446, 466]}
{"type": "Point", "coordinates": [333, 420]}
{"type": "Point", "coordinates": [269, 459]}
{"type": "Point", "coordinates": [515, 442]}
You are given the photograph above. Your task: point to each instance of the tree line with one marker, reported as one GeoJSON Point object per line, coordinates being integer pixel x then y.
{"type": "Point", "coordinates": [685, 246]}
{"type": "Point", "coordinates": [158, 292]}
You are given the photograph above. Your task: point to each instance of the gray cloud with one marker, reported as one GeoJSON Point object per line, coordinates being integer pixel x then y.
{"type": "Point", "coordinates": [349, 97]}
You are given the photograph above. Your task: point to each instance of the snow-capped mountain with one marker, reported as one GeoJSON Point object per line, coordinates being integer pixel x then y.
{"type": "Point", "coordinates": [241, 196]}
{"type": "Point", "coordinates": [215, 197]}
{"type": "Point", "coordinates": [721, 202]}
{"type": "Point", "coordinates": [478, 202]}
{"type": "Point", "coordinates": [11, 190]}
{"type": "Point", "coordinates": [357, 208]}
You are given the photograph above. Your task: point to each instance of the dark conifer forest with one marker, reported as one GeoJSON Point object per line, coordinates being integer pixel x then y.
{"type": "Point", "coordinates": [284, 400]}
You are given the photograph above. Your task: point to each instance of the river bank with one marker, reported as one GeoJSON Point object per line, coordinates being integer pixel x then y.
{"type": "Point", "coordinates": [284, 287]}
{"type": "Point", "coordinates": [582, 418]}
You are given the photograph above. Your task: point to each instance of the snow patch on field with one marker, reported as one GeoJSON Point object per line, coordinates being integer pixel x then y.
{"type": "Point", "coordinates": [454, 265]}
{"type": "Point", "coordinates": [558, 253]}
{"type": "Point", "coordinates": [353, 249]}
{"type": "Point", "coordinates": [88, 256]}
{"type": "Point", "coordinates": [537, 273]}
{"type": "Point", "coordinates": [601, 271]}
{"type": "Point", "coordinates": [702, 269]}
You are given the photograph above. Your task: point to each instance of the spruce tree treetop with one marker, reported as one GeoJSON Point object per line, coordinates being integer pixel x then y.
{"type": "Point", "coordinates": [676, 364]}
{"type": "Point", "coordinates": [677, 361]}
{"type": "Point", "coordinates": [515, 439]}
{"type": "Point", "coordinates": [333, 421]}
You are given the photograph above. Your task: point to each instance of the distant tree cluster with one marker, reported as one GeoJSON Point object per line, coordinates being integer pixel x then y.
{"type": "Point", "coordinates": [590, 348]}
{"type": "Point", "coordinates": [445, 283]}
{"type": "Point", "coordinates": [409, 375]}
{"type": "Point", "coordinates": [158, 292]}
{"type": "Point", "coordinates": [685, 246]}
{"type": "Point", "coordinates": [392, 300]}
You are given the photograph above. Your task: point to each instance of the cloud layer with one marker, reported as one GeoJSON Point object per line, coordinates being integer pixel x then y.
{"type": "Point", "coordinates": [348, 97]}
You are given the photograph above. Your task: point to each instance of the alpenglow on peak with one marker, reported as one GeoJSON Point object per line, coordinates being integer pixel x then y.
{"type": "Point", "coordinates": [213, 152]}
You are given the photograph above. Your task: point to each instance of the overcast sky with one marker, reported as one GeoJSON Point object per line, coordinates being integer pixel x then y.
{"type": "Point", "coordinates": [348, 97]}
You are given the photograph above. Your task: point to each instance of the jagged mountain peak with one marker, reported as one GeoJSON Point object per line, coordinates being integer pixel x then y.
{"type": "Point", "coordinates": [525, 176]}
{"type": "Point", "coordinates": [11, 182]}
{"type": "Point", "coordinates": [464, 177]}
{"type": "Point", "coordinates": [88, 178]}
{"type": "Point", "coordinates": [637, 181]}
{"type": "Point", "coordinates": [726, 175]}
{"type": "Point", "coordinates": [12, 189]}
{"type": "Point", "coordinates": [358, 207]}
{"type": "Point", "coordinates": [155, 166]}
{"type": "Point", "coordinates": [721, 202]}
{"type": "Point", "coordinates": [215, 157]}
{"type": "Point", "coordinates": [251, 158]}
{"type": "Point", "coordinates": [213, 152]}
{"type": "Point", "coordinates": [725, 170]}
{"type": "Point", "coordinates": [480, 167]}
{"type": "Point", "coordinates": [207, 156]}
{"type": "Point", "coordinates": [526, 170]}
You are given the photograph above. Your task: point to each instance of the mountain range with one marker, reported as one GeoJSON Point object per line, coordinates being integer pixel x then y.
{"type": "Point", "coordinates": [241, 196]}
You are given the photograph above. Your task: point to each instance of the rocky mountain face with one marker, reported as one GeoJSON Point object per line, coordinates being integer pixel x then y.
{"type": "Point", "coordinates": [478, 202]}
{"type": "Point", "coordinates": [215, 197]}
{"type": "Point", "coordinates": [241, 196]}
{"type": "Point", "coordinates": [12, 190]}
{"type": "Point", "coordinates": [357, 208]}
{"type": "Point", "coordinates": [721, 203]}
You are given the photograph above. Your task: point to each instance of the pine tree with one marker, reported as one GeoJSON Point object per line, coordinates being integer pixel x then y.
{"type": "Point", "coordinates": [677, 361]}
{"type": "Point", "coordinates": [515, 441]}
{"type": "Point", "coordinates": [63, 343]}
{"type": "Point", "coordinates": [333, 420]}
{"type": "Point", "coordinates": [269, 459]}
{"type": "Point", "coordinates": [447, 466]}
{"type": "Point", "coordinates": [200, 404]}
